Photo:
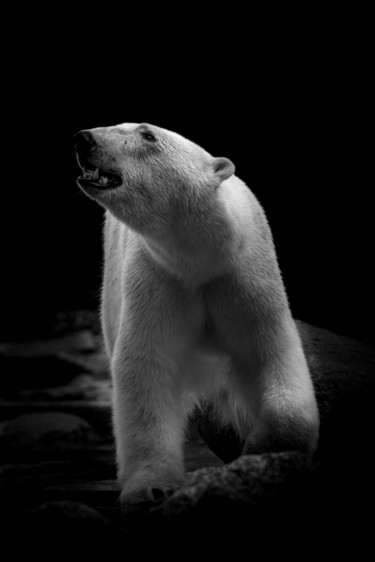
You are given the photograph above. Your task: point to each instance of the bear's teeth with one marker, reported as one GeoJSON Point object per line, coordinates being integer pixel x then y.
{"type": "Point", "coordinates": [95, 175]}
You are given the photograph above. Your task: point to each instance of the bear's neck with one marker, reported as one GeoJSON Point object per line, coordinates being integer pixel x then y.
{"type": "Point", "coordinates": [196, 251]}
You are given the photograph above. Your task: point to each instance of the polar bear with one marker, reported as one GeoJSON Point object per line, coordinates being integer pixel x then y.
{"type": "Point", "coordinates": [193, 305]}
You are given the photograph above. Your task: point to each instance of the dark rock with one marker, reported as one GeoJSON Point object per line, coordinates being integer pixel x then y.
{"type": "Point", "coordinates": [65, 525]}
{"type": "Point", "coordinates": [77, 341]}
{"type": "Point", "coordinates": [83, 387]}
{"type": "Point", "coordinates": [75, 320]}
{"type": "Point", "coordinates": [47, 324]}
{"type": "Point", "coordinates": [67, 514]}
{"type": "Point", "coordinates": [251, 479]}
{"type": "Point", "coordinates": [50, 362]}
{"type": "Point", "coordinates": [19, 373]}
{"type": "Point", "coordinates": [95, 362]}
{"type": "Point", "coordinates": [254, 498]}
{"type": "Point", "coordinates": [44, 432]}
{"type": "Point", "coordinates": [276, 502]}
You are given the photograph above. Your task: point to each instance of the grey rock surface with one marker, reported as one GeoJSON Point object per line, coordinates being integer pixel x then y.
{"type": "Point", "coordinates": [65, 527]}
{"type": "Point", "coordinates": [249, 479]}
{"type": "Point", "coordinates": [51, 514]}
{"type": "Point", "coordinates": [46, 431]}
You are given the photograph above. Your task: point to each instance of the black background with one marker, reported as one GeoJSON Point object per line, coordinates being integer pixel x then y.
{"type": "Point", "coordinates": [290, 107]}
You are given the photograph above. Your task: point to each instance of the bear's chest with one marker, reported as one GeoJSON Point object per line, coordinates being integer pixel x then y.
{"type": "Point", "coordinates": [204, 365]}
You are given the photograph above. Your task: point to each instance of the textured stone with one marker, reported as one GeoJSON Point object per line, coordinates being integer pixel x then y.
{"type": "Point", "coordinates": [52, 362]}
{"type": "Point", "coordinates": [67, 514]}
{"type": "Point", "coordinates": [77, 341]}
{"type": "Point", "coordinates": [83, 387]}
{"type": "Point", "coordinates": [249, 479]}
{"type": "Point", "coordinates": [44, 432]}
{"type": "Point", "coordinates": [64, 526]}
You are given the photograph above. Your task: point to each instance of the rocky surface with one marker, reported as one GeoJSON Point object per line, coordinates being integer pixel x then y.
{"type": "Point", "coordinates": [57, 468]}
{"type": "Point", "coordinates": [67, 517]}
{"type": "Point", "coordinates": [44, 433]}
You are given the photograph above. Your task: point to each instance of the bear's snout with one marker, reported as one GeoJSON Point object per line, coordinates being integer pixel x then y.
{"type": "Point", "coordinates": [84, 143]}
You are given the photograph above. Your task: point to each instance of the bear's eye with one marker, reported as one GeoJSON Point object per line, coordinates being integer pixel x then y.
{"type": "Point", "coordinates": [148, 136]}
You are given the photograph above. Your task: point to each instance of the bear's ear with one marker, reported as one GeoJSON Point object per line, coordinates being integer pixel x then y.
{"type": "Point", "coordinates": [223, 168]}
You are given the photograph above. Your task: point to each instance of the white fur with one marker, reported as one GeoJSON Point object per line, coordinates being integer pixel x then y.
{"type": "Point", "coordinates": [193, 307]}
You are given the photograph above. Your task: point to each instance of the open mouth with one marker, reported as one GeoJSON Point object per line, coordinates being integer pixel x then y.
{"type": "Point", "coordinates": [94, 177]}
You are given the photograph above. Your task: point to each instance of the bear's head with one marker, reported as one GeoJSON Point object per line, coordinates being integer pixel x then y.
{"type": "Point", "coordinates": [149, 178]}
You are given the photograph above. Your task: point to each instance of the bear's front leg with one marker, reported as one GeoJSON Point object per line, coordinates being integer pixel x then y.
{"type": "Point", "coordinates": [148, 422]}
{"type": "Point", "coordinates": [270, 384]}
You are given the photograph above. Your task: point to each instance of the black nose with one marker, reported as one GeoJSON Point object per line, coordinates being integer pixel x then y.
{"type": "Point", "coordinates": [84, 142]}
